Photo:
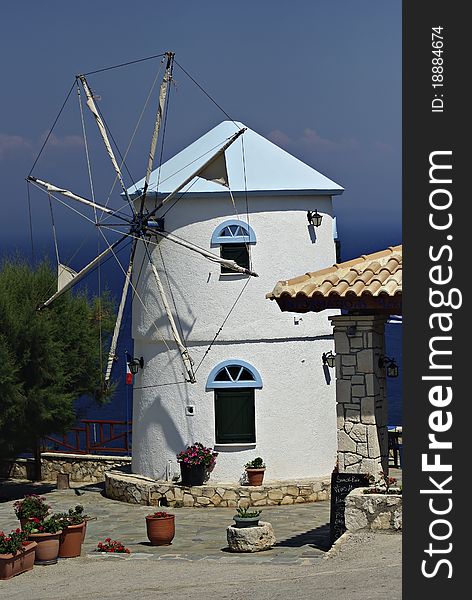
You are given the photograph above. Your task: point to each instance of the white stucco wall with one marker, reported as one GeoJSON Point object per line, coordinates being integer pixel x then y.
{"type": "Point", "coordinates": [295, 409]}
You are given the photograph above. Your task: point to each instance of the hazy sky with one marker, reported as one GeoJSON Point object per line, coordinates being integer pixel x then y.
{"type": "Point", "coordinates": [320, 78]}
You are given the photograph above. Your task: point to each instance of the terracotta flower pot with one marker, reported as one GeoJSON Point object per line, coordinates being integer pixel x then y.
{"type": "Point", "coordinates": [24, 521]}
{"type": "Point", "coordinates": [255, 476]}
{"type": "Point", "coordinates": [70, 543]}
{"type": "Point", "coordinates": [47, 547]}
{"type": "Point", "coordinates": [14, 564]}
{"type": "Point", "coordinates": [160, 531]}
{"type": "Point", "coordinates": [192, 474]}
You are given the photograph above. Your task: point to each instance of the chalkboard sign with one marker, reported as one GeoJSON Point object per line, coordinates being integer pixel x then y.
{"type": "Point", "coordinates": [341, 485]}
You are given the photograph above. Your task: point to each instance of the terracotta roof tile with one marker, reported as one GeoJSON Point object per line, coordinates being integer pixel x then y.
{"type": "Point", "coordinates": [377, 274]}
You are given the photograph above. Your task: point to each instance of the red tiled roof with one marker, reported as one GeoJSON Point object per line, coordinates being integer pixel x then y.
{"type": "Point", "coordinates": [374, 275]}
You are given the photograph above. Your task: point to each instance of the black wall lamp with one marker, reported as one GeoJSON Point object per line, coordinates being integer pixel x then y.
{"type": "Point", "coordinates": [329, 359]}
{"type": "Point", "coordinates": [135, 364]}
{"type": "Point", "coordinates": [390, 365]}
{"type": "Point", "coordinates": [314, 217]}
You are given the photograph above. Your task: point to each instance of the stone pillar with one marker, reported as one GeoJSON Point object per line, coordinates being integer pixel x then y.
{"type": "Point", "coordinates": [361, 402]}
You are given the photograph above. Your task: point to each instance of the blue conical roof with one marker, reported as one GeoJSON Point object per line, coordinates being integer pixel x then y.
{"type": "Point", "coordinates": [266, 167]}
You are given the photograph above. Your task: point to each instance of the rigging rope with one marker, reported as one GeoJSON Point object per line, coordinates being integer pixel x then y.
{"type": "Point", "coordinates": [136, 293]}
{"type": "Point", "coordinates": [180, 197]}
{"type": "Point", "coordinates": [206, 93]}
{"type": "Point", "coordinates": [186, 359]}
{"type": "Point", "coordinates": [250, 260]}
{"type": "Point", "coordinates": [145, 387]}
{"type": "Point", "coordinates": [219, 145]}
{"type": "Point", "coordinates": [181, 330]}
{"type": "Point", "coordinates": [123, 163]}
{"type": "Point", "coordinates": [243, 154]}
{"type": "Point", "coordinates": [52, 128]}
{"type": "Point", "coordinates": [133, 292]}
{"type": "Point", "coordinates": [125, 64]}
{"type": "Point", "coordinates": [221, 326]}
{"type": "Point", "coordinates": [246, 243]}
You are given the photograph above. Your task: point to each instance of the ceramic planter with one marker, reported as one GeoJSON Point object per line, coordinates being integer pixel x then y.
{"type": "Point", "coordinates": [255, 476]}
{"type": "Point", "coordinates": [192, 474]}
{"type": "Point", "coordinates": [70, 543]}
{"type": "Point", "coordinates": [47, 548]}
{"type": "Point", "coordinates": [246, 521]}
{"type": "Point", "coordinates": [160, 531]}
{"type": "Point", "coordinates": [14, 564]}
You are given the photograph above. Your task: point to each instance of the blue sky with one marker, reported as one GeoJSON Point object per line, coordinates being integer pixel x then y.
{"type": "Point", "coordinates": [320, 78]}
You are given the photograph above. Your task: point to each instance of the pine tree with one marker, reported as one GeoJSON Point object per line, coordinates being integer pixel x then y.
{"type": "Point", "coordinates": [48, 358]}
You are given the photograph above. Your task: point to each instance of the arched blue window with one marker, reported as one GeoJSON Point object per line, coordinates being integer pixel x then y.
{"type": "Point", "coordinates": [234, 383]}
{"type": "Point", "coordinates": [233, 232]}
{"type": "Point", "coordinates": [233, 237]}
{"type": "Point", "coordinates": [233, 373]}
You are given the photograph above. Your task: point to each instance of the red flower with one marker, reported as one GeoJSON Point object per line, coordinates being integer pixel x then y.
{"type": "Point", "coordinates": [112, 546]}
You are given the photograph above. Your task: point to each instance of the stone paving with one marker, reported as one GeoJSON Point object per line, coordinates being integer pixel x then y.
{"type": "Point", "coordinates": [302, 531]}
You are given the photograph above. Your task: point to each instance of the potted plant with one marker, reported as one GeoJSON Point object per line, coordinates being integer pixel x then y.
{"type": "Point", "coordinates": [31, 506]}
{"type": "Point", "coordinates": [246, 517]}
{"type": "Point", "coordinates": [79, 511]}
{"type": "Point", "coordinates": [46, 533]}
{"type": "Point", "coordinates": [72, 525]}
{"type": "Point", "coordinates": [160, 527]}
{"type": "Point", "coordinates": [110, 545]}
{"type": "Point", "coordinates": [385, 485]}
{"type": "Point", "coordinates": [255, 470]}
{"type": "Point", "coordinates": [16, 553]}
{"type": "Point", "coordinates": [195, 462]}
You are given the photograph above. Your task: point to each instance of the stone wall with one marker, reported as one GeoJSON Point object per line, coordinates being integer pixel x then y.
{"type": "Point", "coordinates": [373, 511]}
{"type": "Point", "coordinates": [20, 468]}
{"type": "Point", "coordinates": [87, 468]}
{"type": "Point", "coordinates": [135, 489]}
{"type": "Point", "coordinates": [361, 402]}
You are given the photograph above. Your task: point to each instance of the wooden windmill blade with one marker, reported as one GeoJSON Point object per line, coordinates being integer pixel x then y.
{"type": "Point", "coordinates": [53, 189]}
{"type": "Point", "coordinates": [103, 133]}
{"type": "Point", "coordinates": [81, 274]}
{"type": "Point", "coordinates": [230, 264]}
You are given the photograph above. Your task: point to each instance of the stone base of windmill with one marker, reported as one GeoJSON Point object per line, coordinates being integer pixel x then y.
{"type": "Point", "coordinates": [251, 539]}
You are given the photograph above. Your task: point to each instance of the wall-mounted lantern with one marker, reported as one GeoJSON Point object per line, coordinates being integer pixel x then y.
{"type": "Point", "coordinates": [135, 364]}
{"type": "Point", "coordinates": [329, 359]}
{"type": "Point", "coordinates": [314, 217]}
{"type": "Point", "coordinates": [390, 365]}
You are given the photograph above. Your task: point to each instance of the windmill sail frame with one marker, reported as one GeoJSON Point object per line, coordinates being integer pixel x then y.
{"type": "Point", "coordinates": [140, 223]}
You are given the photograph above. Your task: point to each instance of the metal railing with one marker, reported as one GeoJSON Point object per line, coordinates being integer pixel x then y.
{"type": "Point", "coordinates": [92, 436]}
